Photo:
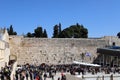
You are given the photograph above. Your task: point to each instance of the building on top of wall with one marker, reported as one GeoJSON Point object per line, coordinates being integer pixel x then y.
{"type": "Point", "coordinates": [109, 55]}
{"type": "Point", "coordinates": [4, 48]}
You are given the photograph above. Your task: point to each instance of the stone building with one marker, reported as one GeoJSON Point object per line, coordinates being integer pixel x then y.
{"type": "Point", "coordinates": [109, 56]}
{"type": "Point", "coordinates": [4, 48]}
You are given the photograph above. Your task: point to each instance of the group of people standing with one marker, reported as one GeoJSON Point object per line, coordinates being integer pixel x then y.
{"type": "Point", "coordinates": [33, 72]}
{"type": "Point", "coordinates": [5, 72]}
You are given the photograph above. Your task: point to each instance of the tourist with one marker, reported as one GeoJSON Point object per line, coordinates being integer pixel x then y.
{"type": "Point", "coordinates": [58, 78]}
{"type": "Point", "coordinates": [45, 76]}
{"type": "Point", "coordinates": [63, 77]}
{"type": "Point", "coordinates": [26, 75]}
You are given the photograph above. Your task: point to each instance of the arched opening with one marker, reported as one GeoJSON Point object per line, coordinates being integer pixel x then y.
{"type": "Point", "coordinates": [12, 59]}
{"type": "Point", "coordinates": [113, 44]}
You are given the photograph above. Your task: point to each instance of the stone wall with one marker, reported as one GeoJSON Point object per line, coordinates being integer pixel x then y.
{"type": "Point", "coordinates": [55, 50]}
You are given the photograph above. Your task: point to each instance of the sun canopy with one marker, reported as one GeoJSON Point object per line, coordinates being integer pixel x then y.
{"type": "Point", "coordinates": [86, 64]}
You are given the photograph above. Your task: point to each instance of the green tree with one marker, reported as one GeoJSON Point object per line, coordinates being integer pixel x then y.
{"type": "Point", "coordinates": [118, 34]}
{"type": "Point", "coordinates": [14, 33]}
{"type": "Point", "coordinates": [66, 33]}
{"type": "Point", "coordinates": [59, 28]}
{"type": "Point", "coordinates": [84, 32]}
{"type": "Point", "coordinates": [38, 32]}
{"type": "Point", "coordinates": [45, 34]}
{"type": "Point", "coordinates": [11, 31]}
{"type": "Point", "coordinates": [74, 31]}
{"type": "Point", "coordinates": [56, 31]}
{"type": "Point", "coordinates": [30, 34]}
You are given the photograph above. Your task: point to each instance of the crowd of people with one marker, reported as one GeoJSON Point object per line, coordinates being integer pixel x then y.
{"type": "Point", "coordinates": [44, 71]}
{"type": "Point", "coordinates": [40, 72]}
{"type": "Point", "coordinates": [32, 72]}
{"type": "Point", "coordinates": [5, 72]}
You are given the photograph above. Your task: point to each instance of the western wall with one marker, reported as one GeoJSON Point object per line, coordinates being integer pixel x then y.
{"type": "Point", "coordinates": [51, 50]}
{"type": "Point", "coordinates": [56, 50]}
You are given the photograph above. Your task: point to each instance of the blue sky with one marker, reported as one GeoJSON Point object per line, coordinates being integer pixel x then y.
{"type": "Point", "coordinates": [100, 17]}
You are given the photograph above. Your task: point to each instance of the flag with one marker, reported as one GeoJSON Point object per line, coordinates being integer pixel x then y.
{"type": "Point", "coordinates": [88, 54]}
